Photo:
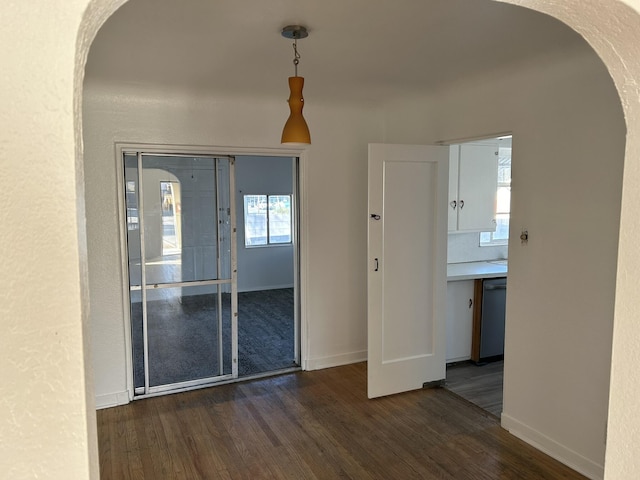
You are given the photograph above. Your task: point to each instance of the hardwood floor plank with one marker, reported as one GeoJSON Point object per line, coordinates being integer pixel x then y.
{"type": "Point", "coordinates": [329, 455]}
{"type": "Point", "coordinates": [309, 426]}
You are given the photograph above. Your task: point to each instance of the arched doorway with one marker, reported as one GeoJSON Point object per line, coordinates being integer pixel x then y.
{"type": "Point", "coordinates": [621, 73]}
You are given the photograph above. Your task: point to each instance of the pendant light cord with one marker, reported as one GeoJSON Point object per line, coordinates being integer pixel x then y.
{"type": "Point", "coordinates": [296, 56]}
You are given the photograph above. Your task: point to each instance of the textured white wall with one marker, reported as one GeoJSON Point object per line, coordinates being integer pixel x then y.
{"type": "Point", "coordinates": [584, 450]}
{"type": "Point", "coordinates": [613, 30]}
{"type": "Point", "coordinates": [567, 176]}
{"type": "Point", "coordinates": [37, 116]}
{"type": "Point", "coordinates": [47, 424]}
{"type": "Point", "coordinates": [335, 266]}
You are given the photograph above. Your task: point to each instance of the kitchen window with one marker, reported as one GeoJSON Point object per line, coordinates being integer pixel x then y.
{"type": "Point", "coordinates": [267, 220]}
{"type": "Point", "coordinates": [503, 198]}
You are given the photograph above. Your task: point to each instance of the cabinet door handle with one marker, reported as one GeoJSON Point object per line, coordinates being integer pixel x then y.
{"type": "Point", "coordinates": [461, 204]}
{"type": "Point", "coordinates": [453, 204]}
{"type": "Point", "coordinates": [470, 303]}
{"type": "Point", "coordinates": [376, 269]}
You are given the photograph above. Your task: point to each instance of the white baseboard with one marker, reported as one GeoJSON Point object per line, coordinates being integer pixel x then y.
{"type": "Point", "coordinates": [336, 360]}
{"type": "Point", "coordinates": [458, 359]}
{"type": "Point", "coordinates": [112, 400]}
{"type": "Point", "coordinates": [563, 454]}
{"type": "Point", "coordinates": [265, 287]}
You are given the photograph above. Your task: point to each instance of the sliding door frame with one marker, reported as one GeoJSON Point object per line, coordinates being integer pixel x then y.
{"type": "Point", "coordinates": [300, 246]}
{"type": "Point", "coordinates": [231, 281]}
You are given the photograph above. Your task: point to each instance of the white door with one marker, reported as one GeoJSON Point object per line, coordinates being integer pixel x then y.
{"type": "Point", "coordinates": [407, 249]}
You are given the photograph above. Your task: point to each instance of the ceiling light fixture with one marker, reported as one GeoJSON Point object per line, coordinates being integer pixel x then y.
{"type": "Point", "coordinates": [295, 130]}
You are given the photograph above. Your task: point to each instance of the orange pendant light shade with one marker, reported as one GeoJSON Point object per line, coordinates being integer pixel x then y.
{"type": "Point", "coordinates": [296, 129]}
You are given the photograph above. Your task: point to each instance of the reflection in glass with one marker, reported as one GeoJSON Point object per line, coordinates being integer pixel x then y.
{"type": "Point", "coordinates": [133, 220]}
{"type": "Point", "coordinates": [177, 216]}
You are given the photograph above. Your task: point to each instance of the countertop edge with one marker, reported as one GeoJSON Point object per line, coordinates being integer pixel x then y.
{"type": "Point", "coordinates": [475, 270]}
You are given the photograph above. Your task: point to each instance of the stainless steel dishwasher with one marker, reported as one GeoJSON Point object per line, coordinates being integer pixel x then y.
{"type": "Point", "coordinates": [494, 296]}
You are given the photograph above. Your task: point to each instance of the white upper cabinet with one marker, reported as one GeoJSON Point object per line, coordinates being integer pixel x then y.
{"type": "Point", "coordinates": [473, 179]}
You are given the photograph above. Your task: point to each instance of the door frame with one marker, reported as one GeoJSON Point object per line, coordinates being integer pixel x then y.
{"type": "Point", "coordinates": [300, 256]}
{"type": "Point", "coordinates": [481, 138]}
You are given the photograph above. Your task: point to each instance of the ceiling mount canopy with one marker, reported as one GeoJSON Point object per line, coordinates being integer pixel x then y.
{"type": "Point", "coordinates": [295, 130]}
{"type": "Point", "coordinates": [295, 32]}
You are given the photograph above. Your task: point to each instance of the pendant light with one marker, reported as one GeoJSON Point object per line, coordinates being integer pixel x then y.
{"type": "Point", "coordinates": [295, 130]}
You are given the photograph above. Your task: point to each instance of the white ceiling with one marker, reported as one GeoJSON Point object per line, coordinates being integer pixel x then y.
{"type": "Point", "coordinates": [357, 50]}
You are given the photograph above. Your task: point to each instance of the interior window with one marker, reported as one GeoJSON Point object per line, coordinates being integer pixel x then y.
{"type": "Point", "coordinates": [267, 220]}
{"type": "Point", "coordinates": [503, 198]}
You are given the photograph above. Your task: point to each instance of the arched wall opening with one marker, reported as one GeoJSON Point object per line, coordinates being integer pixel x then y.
{"type": "Point", "coordinates": [585, 20]}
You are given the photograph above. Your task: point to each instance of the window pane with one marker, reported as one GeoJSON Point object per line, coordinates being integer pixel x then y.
{"type": "Point", "coordinates": [502, 227]}
{"type": "Point", "coordinates": [500, 236]}
{"type": "Point", "coordinates": [279, 219]}
{"type": "Point", "coordinates": [504, 200]}
{"type": "Point", "coordinates": [255, 220]}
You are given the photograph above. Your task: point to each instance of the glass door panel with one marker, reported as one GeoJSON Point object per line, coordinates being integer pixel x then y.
{"type": "Point", "coordinates": [180, 219]}
{"type": "Point", "coordinates": [189, 337]}
{"type": "Point", "coordinates": [132, 218]}
{"type": "Point", "coordinates": [179, 229]}
{"type": "Point", "coordinates": [137, 338]}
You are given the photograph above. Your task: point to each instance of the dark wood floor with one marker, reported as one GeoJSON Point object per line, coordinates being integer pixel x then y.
{"type": "Point", "coordinates": [479, 384]}
{"type": "Point", "coordinates": [313, 425]}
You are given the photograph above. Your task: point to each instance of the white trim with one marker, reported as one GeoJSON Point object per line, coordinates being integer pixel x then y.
{"type": "Point", "coordinates": [545, 444]}
{"type": "Point", "coordinates": [479, 139]}
{"type": "Point", "coordinates": [458, 359]}
{"type": "Point", "coordinates": [266, 287]}
{"type": "Point", "coordinates": [188, 385]}
{"type": "Point", "coordinates": [112, 400]}
{"type": "Point", "coordinates": [227, 380]}
{"type": "Point", "coordinates": [234, 266]}
{"type": "Point", "coordinates": [124, 272]}
{"type": "Point", "coordinates": [336, 360]}
{"type": "Point", "coordinates": [295, 238]}
{"type": "Point", "coordinates": [209, 150]}
{"type": "Point", "coordinates": [303, 258]}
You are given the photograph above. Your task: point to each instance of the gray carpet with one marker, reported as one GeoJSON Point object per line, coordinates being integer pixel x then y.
{"type": "Point", "coordinates": [183, 336]}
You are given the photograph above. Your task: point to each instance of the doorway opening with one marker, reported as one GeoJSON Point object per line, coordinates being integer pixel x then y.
{"type": "Point", "coordinates": [480, 176]}
{"type": "Point", "coordinates": [268, 264]}
{"type": "Point", "coordinates": [191, 325]}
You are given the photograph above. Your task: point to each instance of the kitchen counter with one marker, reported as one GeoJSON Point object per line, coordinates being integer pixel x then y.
{"type": "Point", "coordinates": [473, 270]}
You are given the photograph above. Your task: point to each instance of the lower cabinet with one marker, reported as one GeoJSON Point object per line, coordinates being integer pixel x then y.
{"type": "Point", "coordinates": [460, 298]}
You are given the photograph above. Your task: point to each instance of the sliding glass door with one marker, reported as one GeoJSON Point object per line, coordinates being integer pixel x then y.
{"type": "Point", "coordinates": [182, 279]}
